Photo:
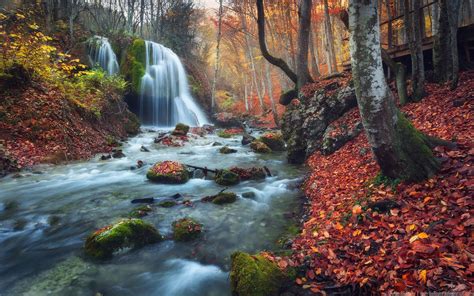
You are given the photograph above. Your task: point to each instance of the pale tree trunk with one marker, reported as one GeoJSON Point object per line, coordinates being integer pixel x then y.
{"type": "Point", "coordinates": [414, 36]}
{"type": "Point", "coordinates": [304, 11]}
{"type": "Point", "coordinates": [454, 7]}
{"type": "Point", "coordinates": [329, 39]}
{"type": "Point", "coordinates": [246, 94]}
{"type": "Point", "coordinates": [218, 53]}
{"type": "Point", "coordinates": [434, 19]}
{"type": "Point", "coordinates": [270, 93]}
{"type": "Point", "coordinates": [314, 54]}
{"type": "Point", "coordinates": [400, 150]}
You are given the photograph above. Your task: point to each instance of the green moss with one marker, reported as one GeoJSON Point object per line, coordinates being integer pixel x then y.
{"type": "Point", "coordinates": [254, 276]}
{"type": "Point", "coordinates": [380, 179]}
{"type": "Point", "coordinates": [227, 178]}
{"type": "Point", "coordinates": [178, 176]}
{"type": "Point", "coordinates": [186, 229]}
{"type": "Point", "coordinates": [274, 141]}
{"type": "Point", "coordinates": [181, 129]}
{"type": "Point", "coordinates": [224, 198]}
{"type": "Point", "coordinates": [125, 234]}
{"type": "Point", "coordinates": [140, 211]}
{"type": "Point", "coordinates": [417, 161]}
{"type": "Point", "coordinates": [134, 65]}
{"type": "Point", "coordinates": [167, 204]}
{"type": "Point", "coordinates": [260, 147]}
{"type": "Point", "coordinates": [223, 134]}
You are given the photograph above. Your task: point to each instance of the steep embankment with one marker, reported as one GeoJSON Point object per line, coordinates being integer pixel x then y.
{"type": "Point", "coordinates": [387, 236]}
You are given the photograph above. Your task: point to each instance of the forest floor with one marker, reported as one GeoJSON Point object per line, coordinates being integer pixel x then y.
{"type": "Point", "coordinates": [39, 125]}
{"type": "Point", "coordinates": [420, 238]}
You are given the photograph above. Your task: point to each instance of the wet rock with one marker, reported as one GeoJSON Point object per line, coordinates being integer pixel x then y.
{"type": "Point", "coordinates": [208, 128]}
{"type": "Point", "coordinates": [383, 206]}
{"type": "Point", "coordinates": [247, 139]}
{"type": "Point", "coordinates": [118, 153]}
{"type": "Point", "coordinates": [227, 150]}
{"type": "Point", "coordinates": [224, 134]}
{"type": "Point", "coordinates": [303, 125]}
{"type": "Point", "coordinates": [20, 224]}
{"type": "Point", "coordinates": [186, 229]}
{"type": "Point", "coordinates": [253, 173]}
{"type": "Point", "coordinates": [106, 157]}
{"type": "Point", "coordinates": [199, 174]}
{"type": "Point", "coordinates": [216, 144]}
{"type": "Point", "coordinates": [273, 140]}
{"type": "Point", "coordinates": [167, 204]}
{"type": "Point", "coordinates": [180, 129]}
{"type": "Point", "coordinates": [144, 149]}
{"type": "Point", "coordinates": [11, 205]}
{"type": "Point", "coordinates": [249, 194]}
{"type": "Point", "coordinates": [54, 220]}
{"type": "Point", "coordinates": [260, 147]}
{"type": "Point", "coordinates": [140, 211]}
{"type": "Point", "coordinates": [140, 163]}
{"type": "Point", "coordinates": [148, 200]}
{"type": "Point", "coordinates": [168, 172]}
{"type": "Point", "coordinates": [227, 178]}
{"type": "Point", "coordinates": [254, 275]}
{"type": "Point", "coordinates": [130, 233]}
{"type": "Point", "coordinates": [221, 198]}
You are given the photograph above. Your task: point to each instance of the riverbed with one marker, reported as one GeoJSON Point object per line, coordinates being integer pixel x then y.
{"type": "Point", "coordinates": [46, 214]}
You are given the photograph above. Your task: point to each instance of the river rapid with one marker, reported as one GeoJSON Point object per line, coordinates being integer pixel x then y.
{"type": "Point", "coordinates": [46, 215]}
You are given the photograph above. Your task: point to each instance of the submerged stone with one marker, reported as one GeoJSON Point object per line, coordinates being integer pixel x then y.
{"type": "Point", "coordinates": [129, 233]}
{"type": "Point", "coordinates": [141, 211]}
{"type": "Point", "coordinates": [227, 178]}
{"type": "Point", "coordinates": [186, 229]}
{"type": "Point", "coordinates": [167, 204]}
{"type": "Point", "coordinates": [168, 172]}
{"type": "Point", "coordinates": [260, 147]}
{"type": "Point", "coordinates": [227, 150]}
{"type": "Point", "coordinates": [221, 198]}
{"type": "Point", "coordinates": [254, 275]}
{"type": "Point", "coordinates": [249, 194]}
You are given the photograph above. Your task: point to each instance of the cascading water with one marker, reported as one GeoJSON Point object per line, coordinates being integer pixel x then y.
{"type": "Point", "coordinates": [102, 54]}
{"type": "Point", "coordinates": [165, 99]}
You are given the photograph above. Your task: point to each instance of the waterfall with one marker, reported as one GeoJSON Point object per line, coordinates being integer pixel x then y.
{"type": "Point", "coordinates": [165, 99]}
{"type": "Point", "coordinates": [102, 54]}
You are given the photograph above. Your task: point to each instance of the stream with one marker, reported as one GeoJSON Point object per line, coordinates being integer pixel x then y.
{"type": "Point", "coordinates": [46, 215]}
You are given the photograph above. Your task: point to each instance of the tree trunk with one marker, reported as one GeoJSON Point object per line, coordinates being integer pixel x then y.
{"type": "Point", "coordinates": [453, 10]}
{"type": "Point", "coordinates": [414, 36]}
{"type": "Point", "coordinates": [329, 39]}
{"type": "Point", "coordinates": [400, 150]}
{"type": "Point", "coordinates": [314, 55]}
{"type": "Point", "coordinates": [304, 11]}
{"type": "Point", "coordinates": [218, 52]}
{"type": "Point", "coordinates": [270, 93]}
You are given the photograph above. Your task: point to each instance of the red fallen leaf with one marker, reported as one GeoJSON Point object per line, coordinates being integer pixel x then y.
{"type": "Point", "coordinates": [420, 247]}
{"type": "Point", "coordinates": [299, 281]}
{"type": "Point", "coordinates": [310, 274]}
{"type": "Point", "coordinates": [283, 264]}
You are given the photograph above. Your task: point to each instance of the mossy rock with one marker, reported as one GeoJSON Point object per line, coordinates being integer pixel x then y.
{"type": "Point", "coordinates": [224, 134]}
{"type": "Point", "coordinates": [180, 129]}
{"type": "Point", "coordinates": [254, 276]}
{"type": "Point", "coordinates": [227, 150]}
{"type": "Point", "coordinates": [134, 64]}
{"type": "Point", "coordinates": [186, 229]}
{"type": "Point", "coordinates": [167, 204]}
{"type": "Point", "coordinates": [168, 172]}
{"type": "Point", "coordinates": [260, 147]}
{"type": "Point", "coordinates": [274, 141]}
{"type": "Point", "coordinates": [254, 173]}
{"type": "Point", "coordinates": [221, 198]}
{"type": "Point", "coordinates": [227, 178]}
{"type": "Point", "coordinates": [140, 211]}
{"type": "Point", "coordinates": [130, 233]}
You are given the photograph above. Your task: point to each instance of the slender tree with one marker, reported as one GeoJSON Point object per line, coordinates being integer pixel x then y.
{"type": "Point", "coordinates": [400, 150]}
{"type": "Point", "coordinates": [217, 62]}
{"type": "Point", "coordinates": [304, 12]}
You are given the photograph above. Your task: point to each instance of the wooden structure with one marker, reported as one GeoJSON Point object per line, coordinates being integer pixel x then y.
{"type": "Point", "coordinates": [392, 30]}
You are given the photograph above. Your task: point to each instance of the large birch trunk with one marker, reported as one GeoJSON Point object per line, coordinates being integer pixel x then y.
{"type": "Point", "coordinates": [400, 150]}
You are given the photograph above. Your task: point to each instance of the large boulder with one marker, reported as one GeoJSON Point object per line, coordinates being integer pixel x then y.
{"type": "Point", "coordinates": [334, 138]}
{"type": "Point", "coordinates": [305, 122]}
{"type": "Point", "coordinates": [260, 147]}
{"type": "Point", "coordinates": [186, 229]}
{"type": "Point", "coordinates": [254, 276]}
{"type": "Point", "coordinates": [180, 129]}
{"type": "Point", "coordinates": [274, 140]}
{"type": "Point", "coordinates": [168, 172]}
{"type": "Point", "coordinates": [253, 173]}
{"type": "Point", "coordinates": [129, 233]}
{"type": "Point", "coordinates": [227, 178]}
{"type": "Point", "coordinates": [247, 139]}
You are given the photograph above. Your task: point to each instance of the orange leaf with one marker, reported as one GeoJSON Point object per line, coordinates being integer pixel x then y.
{"type": "Point", "coordinates": [423, 276]}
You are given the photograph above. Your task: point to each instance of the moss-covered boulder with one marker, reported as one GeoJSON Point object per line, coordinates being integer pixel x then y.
{"type": "Point", "coordinates": [274, 141]}
{"type": "Point", "coordinates": [180, 129]}
{"type": "Point", "coordinates": [260, 147]}
{"type": "Point", "coordinates": [227, 150]}
{"type": "Point", "coordinates": [168, 172]}
{"type": "Point", "coordinates": [227, 178]}
{"type": "Point", "coordinates": [167, 204]}
{"type": "Point", "coordinates": [254, 275]}
{"type": "Point", "coordinates": [140, 211]}
{"type": "Point", "coordinates": [129, 233]}
{"type": "Point", "coordinates": [134, 64]}
{"type": "Point", "coordinates": [224, 134]}
{"type": "Point", "coordinates": [253, 173]}
{"type": "Point", "coordinates": [221, 198]}
{"type": "Point", "coordinates": [186, 229]}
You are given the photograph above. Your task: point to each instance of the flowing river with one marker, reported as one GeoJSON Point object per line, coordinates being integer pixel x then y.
{"type": "Point", "coordinates": [46, 215]}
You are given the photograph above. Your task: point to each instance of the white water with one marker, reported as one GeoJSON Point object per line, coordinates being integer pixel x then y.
{"type": "Point", "coordinates": [165, 99]}
{"type": "Point", "coordinates": [102, 54]}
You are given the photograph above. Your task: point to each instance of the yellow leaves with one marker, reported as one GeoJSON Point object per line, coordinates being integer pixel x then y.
{"type": "Point", "coordinates": [420, 235]}
{"type": "Point", "coordinates": [20, 16]}
{"type": "Point", "coordinates": [33, 26]}
{"type": "Point", "coordinates": [314, 249]}
{"type": "Point", "coordinates": [423, 276]}
{"type": "Point", "coordinates": [356, 232]}
{"type": "Point", "coordinates": [410, 227]}
{"type": "Point", "coordinates": [338, 226]}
